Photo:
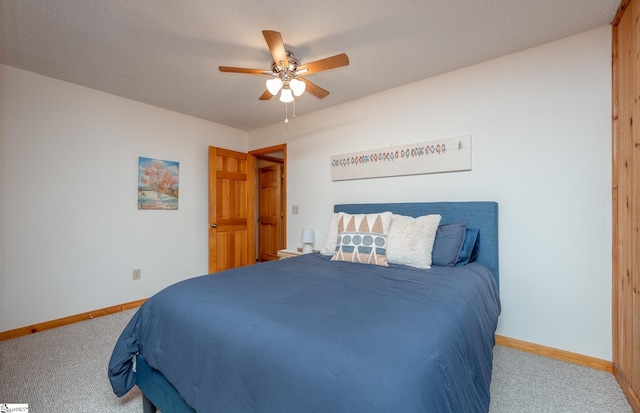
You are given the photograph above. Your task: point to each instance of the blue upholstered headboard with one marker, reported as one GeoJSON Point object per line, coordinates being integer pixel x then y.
{"type": "Point", "coordinates": [480, 215]}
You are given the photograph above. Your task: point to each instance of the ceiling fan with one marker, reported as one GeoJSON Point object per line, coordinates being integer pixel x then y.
{"type": "Point", "coordinates": [286, 71]}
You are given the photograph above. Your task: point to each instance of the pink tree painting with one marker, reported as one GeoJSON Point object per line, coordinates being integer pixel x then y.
{"type": "Point", "coordinates": [157, 184]}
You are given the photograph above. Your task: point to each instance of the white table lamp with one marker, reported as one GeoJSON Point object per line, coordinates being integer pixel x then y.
{"type": "Point", "coordinates": [307, 241]}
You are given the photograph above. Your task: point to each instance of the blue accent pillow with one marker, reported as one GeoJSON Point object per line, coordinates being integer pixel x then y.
{"type": "Point", "coordinates": [448, 243]}
{"type": "Point", "coordinates": [469, 250]}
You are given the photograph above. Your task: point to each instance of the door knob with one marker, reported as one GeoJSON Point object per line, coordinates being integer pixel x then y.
{"type": "Point", "coordinates": [214, 225]}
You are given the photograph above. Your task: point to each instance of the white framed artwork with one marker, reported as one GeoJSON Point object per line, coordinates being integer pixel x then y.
{"type": "Point", "coordinates": [443, 155]}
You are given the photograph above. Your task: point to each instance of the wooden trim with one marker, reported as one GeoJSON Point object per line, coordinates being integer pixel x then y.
{"type": "Point", "coordinates": [270, 159]}
{"type": "Point", "coordinates": [35, 328]}
{"type": "Point", "coordinates": [251, 210]}
{"type": "Point", "coordinates": [623, 6]}
{"type": "Point", "coordinates": [259, 153]}
{"type": "Point", "coordinates": [270, 149]}
{"type": "Point", "coordinates": [632, 398]}
{"type": "Point", "coordinates": [625, 199]}
{"type": "Point", "coordinates": [555, 353]}
{"type": "Point", "coordinates": [614, 185]}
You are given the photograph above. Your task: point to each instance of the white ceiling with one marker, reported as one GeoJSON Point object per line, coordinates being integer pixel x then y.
{"type": "Point", "coordinates": [166, 52]}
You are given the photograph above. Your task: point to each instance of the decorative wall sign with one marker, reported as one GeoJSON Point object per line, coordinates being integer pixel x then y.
{"type": "Point", "coordinates": [444, 155]}
{"type": "Point", "coordinates": [157, 184]}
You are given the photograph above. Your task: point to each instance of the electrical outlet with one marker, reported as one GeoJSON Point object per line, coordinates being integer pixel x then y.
{"type": "Point", "coordinates": [136, 274]}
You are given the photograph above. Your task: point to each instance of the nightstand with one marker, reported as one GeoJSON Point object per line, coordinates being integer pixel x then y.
{"type": "Point", "coordinates": [283, 254]}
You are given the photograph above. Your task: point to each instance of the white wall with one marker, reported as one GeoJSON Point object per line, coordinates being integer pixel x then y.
{"type": "Point", "coordinates": [70, 230]}
{"type": "Point", "coordinates": [540, 122]}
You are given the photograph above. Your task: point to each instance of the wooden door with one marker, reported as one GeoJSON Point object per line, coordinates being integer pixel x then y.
{"type": "Point", "coordinates": [230, 214]}
{"type": "Point", "coordinates": [270, 212]}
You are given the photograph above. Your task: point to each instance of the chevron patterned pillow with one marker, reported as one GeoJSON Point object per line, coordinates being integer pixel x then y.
{"type": "Point", "coordinates": [362, 238]}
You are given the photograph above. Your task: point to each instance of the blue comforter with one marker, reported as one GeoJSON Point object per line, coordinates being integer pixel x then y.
{"type": "Point", "coordinates": [307, 334]}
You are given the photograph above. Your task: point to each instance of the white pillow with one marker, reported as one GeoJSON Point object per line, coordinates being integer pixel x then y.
{"type": "Point", "coordinates": [411, 240]}
{"type": "Point", "coordinates": [329, 246]}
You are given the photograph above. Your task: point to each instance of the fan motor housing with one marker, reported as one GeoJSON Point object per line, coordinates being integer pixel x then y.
{"type": "Point", "coordinates": [293, 64]}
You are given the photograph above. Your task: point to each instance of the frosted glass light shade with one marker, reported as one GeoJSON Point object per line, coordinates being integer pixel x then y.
{"type": "Point", "coordinates": [274, 85]}
{"type": "Point", "coordinates": [286, 96]}
{"type": "Point", "coordinates": [297, 86]}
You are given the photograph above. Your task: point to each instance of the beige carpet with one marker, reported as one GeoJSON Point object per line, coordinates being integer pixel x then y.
{"type": "Point", "coordinates": [65, 370]}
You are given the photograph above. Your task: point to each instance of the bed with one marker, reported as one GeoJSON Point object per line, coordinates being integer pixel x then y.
{"type": "Point", "coordinates": [311, 334]}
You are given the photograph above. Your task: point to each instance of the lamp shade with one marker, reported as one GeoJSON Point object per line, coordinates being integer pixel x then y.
{"type": "Point", "coordinates": [297, 86]}
{"type": "Point", "coordinates": [286, 96]}
{"type": "Point", "coordinates": [274, 85]}
{"type": "Point", "coordinates": [307, 241]}
{"type": "Point", "coordinates": [307, 236]}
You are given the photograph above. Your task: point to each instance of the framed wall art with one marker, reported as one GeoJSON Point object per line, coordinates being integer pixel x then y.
{"type": "Point", "coordinates": [444, 155]}
{"type": "Point", "coordinates": [158, 184]}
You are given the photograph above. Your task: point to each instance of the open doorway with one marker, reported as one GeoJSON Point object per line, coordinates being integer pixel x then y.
{"type": "Point", "coordinates": [270, 201]}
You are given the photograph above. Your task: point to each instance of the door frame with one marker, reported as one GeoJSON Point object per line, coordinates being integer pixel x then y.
{"type": "Point", "coordinates": [253, 176]}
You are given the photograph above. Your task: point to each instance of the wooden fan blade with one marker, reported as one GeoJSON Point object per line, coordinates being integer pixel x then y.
{"type": "Point", "coordinates": [332, 62]}
{"type": "Point", "coordinates": [276, 47]}
{"type": "Point", "coordinates": [314, 89]}
{"type": "Point", "coordinates": [266, 95]}
{"type": "Point", "coordinates": [228, 69]}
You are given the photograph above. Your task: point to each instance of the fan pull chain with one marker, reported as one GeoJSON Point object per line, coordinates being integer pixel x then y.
{"type": "Point", "coordinates": [286, 118]}
{"type": "Point", "coordinates": [294, 108]}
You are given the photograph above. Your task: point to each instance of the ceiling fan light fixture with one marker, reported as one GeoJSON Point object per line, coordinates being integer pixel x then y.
{"type": "Point", "coordinates": [285, 68]}
{"type": "Point", "coordinates": [274, 85]}
{"type": "Point", "coordinates": [297, 86]}
{"type": "Point", "coordinates": [286, 96]}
